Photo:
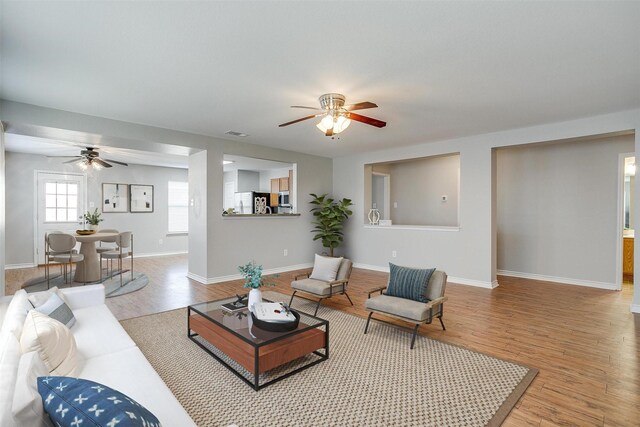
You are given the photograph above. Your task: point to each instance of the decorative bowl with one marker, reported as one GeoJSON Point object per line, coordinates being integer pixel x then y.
{"type": "Point", "coordinates": [276, 326]}
{"type": "Point", "coordinates": [85, 232]}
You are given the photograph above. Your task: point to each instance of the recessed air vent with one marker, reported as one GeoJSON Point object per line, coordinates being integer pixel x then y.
{"type": "Point", "coordinates": [234, 133]}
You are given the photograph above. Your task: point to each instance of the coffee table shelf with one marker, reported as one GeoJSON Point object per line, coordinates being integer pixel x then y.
{"type": "Point", "coordinates": [250, 351]}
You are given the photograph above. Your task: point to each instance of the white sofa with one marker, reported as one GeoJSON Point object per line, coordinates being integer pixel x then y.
{"type": "Point", "coordinates": [106, 354]}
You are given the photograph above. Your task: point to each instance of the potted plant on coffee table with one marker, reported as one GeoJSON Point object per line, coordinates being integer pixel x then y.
{"type": "Point", "coordinates": [252, 274]}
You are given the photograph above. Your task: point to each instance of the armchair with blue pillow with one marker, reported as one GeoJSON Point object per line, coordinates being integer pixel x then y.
{"type": "Point", "coordinates": [412, 295]}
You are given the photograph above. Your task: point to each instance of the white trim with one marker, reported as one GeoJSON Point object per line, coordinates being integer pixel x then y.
{"type": "Point", "coordinates": [371, 267]}
{"type": "Point", "coordinates": [152, 254]}
{"type": "Point", "coordinates": [415, 227]}
{"type": "Point", "coordinates": [473, 282]}
{"type": "Point", "coordinates": [220, 279]}
{"type": "Point", "coordinates": [457, 280]}
{"type": "Point", "coordinates": [635, 308]}
{"type": "Point", "coordinates": [197, 278]}
{"type": "Point", "coordinates": [563, 280]}
{"type": "Point", "coordinates": [16, 266]}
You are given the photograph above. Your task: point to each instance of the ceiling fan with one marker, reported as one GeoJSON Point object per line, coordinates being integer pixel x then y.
{"type": "Point", "coordinates": [336, 116]}
{"type": "Point", "coordinates": [89, 157]}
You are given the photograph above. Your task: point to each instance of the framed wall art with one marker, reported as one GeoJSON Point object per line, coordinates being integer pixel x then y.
{"type": "Point", "coordinates": [141, 198]}
{"type": "Point", "coordinates": [115, 197]}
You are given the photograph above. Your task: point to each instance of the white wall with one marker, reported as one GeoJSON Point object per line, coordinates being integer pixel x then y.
{"type": "Point", "coordinates": [468, 255]}
{"type": "Point", "coordinates": [557, 209]}
{"type": "Point", "coordinates": [148, 228]}
{"type": "Point", "coordinates": [417, 187]}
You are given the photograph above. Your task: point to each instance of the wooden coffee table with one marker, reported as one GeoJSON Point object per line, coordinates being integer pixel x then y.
{"type": "Point", "coordinates": [256, 351]}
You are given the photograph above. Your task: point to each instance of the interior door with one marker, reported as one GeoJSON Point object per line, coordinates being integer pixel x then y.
{"type": "Point", "coordinates": [60, 205]}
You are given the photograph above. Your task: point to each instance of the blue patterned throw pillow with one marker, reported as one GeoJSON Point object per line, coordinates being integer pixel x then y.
{"type": "Point", "coordinates": [409, 283]}
{"type": "Point", "coordinates": [74, 402]}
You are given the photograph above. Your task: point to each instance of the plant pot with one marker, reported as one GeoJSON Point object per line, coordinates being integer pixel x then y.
{"type": "Point", "coordinates": [93, 227]}
{"type": "Point", "coordinates": [255, 295]}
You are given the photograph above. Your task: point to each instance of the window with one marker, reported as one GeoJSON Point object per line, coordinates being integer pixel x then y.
{"type": "Point", "coordinates": [61, 201]}
{"type": "Point", "coordinates": [178, 202]}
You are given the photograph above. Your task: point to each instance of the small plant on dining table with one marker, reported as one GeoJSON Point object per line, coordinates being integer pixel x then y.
{"type": "Point", "coordinates": [92, 218]}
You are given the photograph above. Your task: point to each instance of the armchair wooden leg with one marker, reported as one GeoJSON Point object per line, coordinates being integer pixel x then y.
{"type": "Point", "coordinates": [317, 307]}
{"type": "Point", "coordinates": [415, 332]}
{"type": "Point", "coordinates": [348, 298]}
{"type": "Point", "coordinates": [291, 300]}
{"type": "Point", "coordinates": [366, 327]}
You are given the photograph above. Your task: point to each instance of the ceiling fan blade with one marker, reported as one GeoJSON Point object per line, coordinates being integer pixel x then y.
{"type": "Point", "coordinates": [367, 120]}
{"type": "Point", "coordinates": [308, 108]}
{"type": "Point", "coordinates": [75, 159]}
{"type": "Point", "coordinates": [101, 163]}
{"type": "Point", "coordinates": [299, 120]}
{"type": "Point", "coordinates": [360, 106]}
{"type": "Point", "coordinates": [115, 161]}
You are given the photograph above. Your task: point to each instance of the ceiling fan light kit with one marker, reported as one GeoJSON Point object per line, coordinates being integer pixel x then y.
{"type": "Point", "coordinates": [336, 117]}
{"type": "Point", "coordinates": [89, 159]}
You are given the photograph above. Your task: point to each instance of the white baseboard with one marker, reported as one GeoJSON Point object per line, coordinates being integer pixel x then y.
{"type": "Point", "coordinates": [220, 279]}
{"type": "Point", "coordinates": [152, 254]}
{"type": "Point", "coordinates": [635, 308]}
{"type": "Point", "coordinates": [450, 279]}
{"type": "Point", "coordinates": [473, 282]}
{"type": "Point", "coordinates": [563, 280]}
{"type": "Point", "coordinates": [371, 267]}
{"type": "Point", "coordinates": [16, 266]}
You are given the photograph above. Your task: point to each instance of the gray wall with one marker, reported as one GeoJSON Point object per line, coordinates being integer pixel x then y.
{"type": "Point", "coordinates": [417, 187]}
{"type": "Point", "coordinates": [217, 245]}
{"type": "Point", "coordinates": [248, 180]}
{"type": "Point", "coordinates": [558, 206]}
{"type": "Point", "coordinates": [468, 254]}
{"type": "Point", "coordinates": [148, 228]}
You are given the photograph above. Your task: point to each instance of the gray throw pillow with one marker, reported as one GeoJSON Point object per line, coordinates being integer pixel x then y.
{"type": "Point", "coordinates": [325, 268]}
{"type": "Point", "coordinates": [409, 283]}
{"type": "Point", "coordinates": [56, 309]}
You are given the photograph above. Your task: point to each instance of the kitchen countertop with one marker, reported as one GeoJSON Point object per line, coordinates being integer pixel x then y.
{"type": "Point", "coordinates": [261, 215]}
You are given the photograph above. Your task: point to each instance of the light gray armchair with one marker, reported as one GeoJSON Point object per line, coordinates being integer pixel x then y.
{"type": "Point", "coordinates": [321, 289]}
{"type": "Point", "coordinates": [409, 310]}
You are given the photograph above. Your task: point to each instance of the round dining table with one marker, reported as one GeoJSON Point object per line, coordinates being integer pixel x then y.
{"type": "Point", "coordinates": [89, 269]}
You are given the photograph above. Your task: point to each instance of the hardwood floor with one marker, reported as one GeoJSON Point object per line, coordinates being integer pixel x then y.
{"type": "Point", "coordinates": [584, 341]}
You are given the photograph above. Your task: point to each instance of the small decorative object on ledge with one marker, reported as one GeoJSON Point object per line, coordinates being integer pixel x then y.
{"type": "Point", "coordinates": [261, 205]}
{"type": "Point", "coordinates": [374, 216]}
{"type": "Point", "coordinates": [252, 275]}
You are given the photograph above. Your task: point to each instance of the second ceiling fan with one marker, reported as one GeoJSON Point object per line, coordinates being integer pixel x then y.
{"type": "Point", "coordinates": [337, 116]}
{"type": "Point", "coordinates": [89, 157]}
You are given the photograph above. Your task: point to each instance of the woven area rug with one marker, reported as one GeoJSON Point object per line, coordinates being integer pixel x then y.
{"type": "Point", "coordinates": [369, 380]}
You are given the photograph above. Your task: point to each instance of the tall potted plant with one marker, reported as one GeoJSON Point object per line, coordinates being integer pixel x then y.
{"type": "Point", "coordinates": [329, 217]}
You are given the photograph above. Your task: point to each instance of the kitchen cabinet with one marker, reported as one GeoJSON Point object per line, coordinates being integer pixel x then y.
{"type": "Point", "coordinates": [627, 259]}
{"type": "Point", "coordinates": [279, 184]}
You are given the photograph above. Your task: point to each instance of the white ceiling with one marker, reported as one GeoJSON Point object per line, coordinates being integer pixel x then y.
{"type": "Point", "coordinates": [437, 70]}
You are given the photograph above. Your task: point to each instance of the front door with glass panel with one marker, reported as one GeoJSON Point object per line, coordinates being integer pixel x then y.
{"type": "Point", "coordinates": [60, 205]}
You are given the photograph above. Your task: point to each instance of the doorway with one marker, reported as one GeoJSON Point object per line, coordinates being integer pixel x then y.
{"type": "Point", "coordinates": [60, 205]}
{"type": "Point", "coordinates": [626, 217]}
{"type": "Point", "coordinates": [381, 193]}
